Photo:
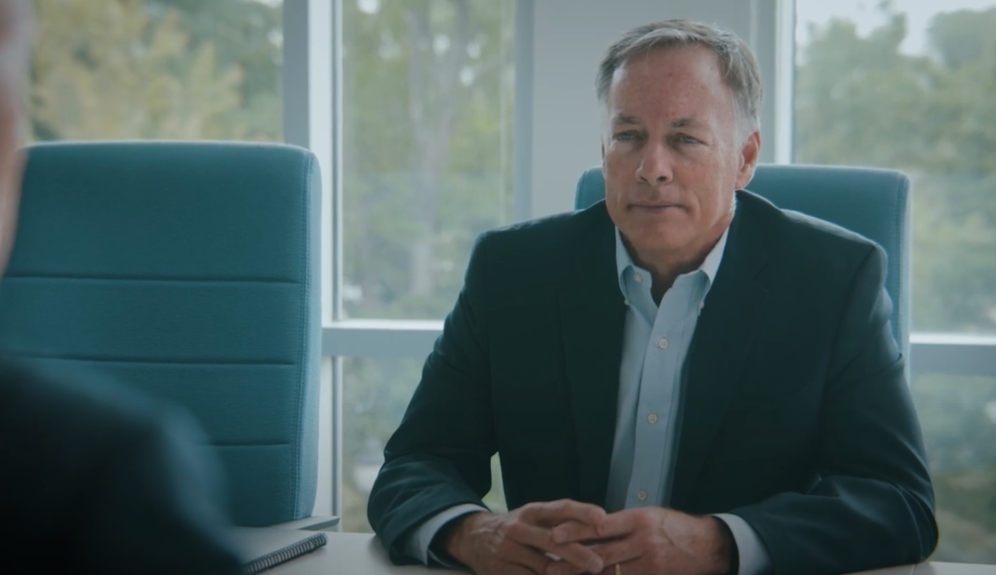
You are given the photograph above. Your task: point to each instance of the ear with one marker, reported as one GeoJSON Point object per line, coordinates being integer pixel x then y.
{"type": "Point", "coordinates": [748, 159]}
{"type": "Point", "coordinates": [603, 158]}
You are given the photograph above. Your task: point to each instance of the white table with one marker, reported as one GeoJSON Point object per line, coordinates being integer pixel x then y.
{"type": "Point", "coordinates": [362, 553]}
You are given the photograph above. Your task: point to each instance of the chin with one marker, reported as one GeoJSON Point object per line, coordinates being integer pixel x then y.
{"type": "Point", "coordinates": [658, 240]}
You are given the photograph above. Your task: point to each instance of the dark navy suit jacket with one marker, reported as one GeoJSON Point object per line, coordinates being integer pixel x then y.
{"type": "Point", "coordinates": [795, 415]}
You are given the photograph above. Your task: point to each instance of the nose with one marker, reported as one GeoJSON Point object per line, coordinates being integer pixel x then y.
{"type": "Point", "coordinates": [655, 165]}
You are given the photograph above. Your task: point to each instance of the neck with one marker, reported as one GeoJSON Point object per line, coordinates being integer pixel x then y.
{"type": "Point", "coordinates": [665, 265]}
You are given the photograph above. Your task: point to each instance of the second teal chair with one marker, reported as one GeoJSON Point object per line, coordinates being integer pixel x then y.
{"type": "Point", "coordinates": [188, 271]}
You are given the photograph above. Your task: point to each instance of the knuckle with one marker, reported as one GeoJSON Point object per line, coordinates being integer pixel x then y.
{"type": "Point", "coordinates": [548, 539]}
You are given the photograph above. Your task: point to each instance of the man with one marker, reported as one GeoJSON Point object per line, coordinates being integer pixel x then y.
{"type": "Point", "coordinates": [780, 438]}
{"type": "Point", "coordinates": [95, 479]}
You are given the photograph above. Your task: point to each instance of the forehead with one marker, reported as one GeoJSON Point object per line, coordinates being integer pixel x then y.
{"type": "Point", "coordinates": [674, 80]}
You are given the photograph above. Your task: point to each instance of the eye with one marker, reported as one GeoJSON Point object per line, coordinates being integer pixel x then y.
{"type": "Point", "coordinates": [686, 139]}
{"type": "Point", "coordinates": [627, 136]}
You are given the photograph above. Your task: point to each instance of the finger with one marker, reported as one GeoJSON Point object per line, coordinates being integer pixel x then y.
{"type": "Point", "coordinates": [564, 568]}
{"type": "Point", "coordinates": [620, 551]}
{"type": "Point", "coordinates": [515, 569]}
{"type": "Point", "coordinates": [574, 532]}
{"type": "Point", "coordinates": [533, 560]}
{"type": "Point", "coordinates": [554, 512]}
{"type": "Point", "coordinates": [539, 539]}
{"type": "Point", "coordinates": [624, 568]}
{"type": "Point", "coordinates": [612, 526]}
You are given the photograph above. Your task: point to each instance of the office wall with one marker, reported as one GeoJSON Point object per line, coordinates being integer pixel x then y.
{"type": "Point", "coordinates": [568, 38]}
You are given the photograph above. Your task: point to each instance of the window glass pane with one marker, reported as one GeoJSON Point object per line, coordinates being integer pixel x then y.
{"type": "Point", "coordinates": [375, 396]}
{"type": "Point", "coordinates": [908, 84]}
{"type": "Point", "coordinates": [426, 148]}
{"type": "Point", "coordinates": [958, 415]}
{"type": "Point", "coordinates": [157, 69]}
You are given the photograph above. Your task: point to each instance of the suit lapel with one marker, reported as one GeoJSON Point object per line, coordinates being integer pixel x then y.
{"type": "Point", "coordinates": [592, 314]}
{"type": "Point", "coordinates": [723, 336]}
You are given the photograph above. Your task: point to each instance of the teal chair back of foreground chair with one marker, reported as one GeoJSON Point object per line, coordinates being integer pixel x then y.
{"type": "Point", "coordinates": [189, 271]}
{"type": "Point", "coordinates": [871, 202]}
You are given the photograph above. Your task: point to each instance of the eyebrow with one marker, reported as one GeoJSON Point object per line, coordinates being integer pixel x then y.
{"type": "Point", "coordinates": [677, 123]}
{"type": "Point", "coordinates": [625, 119]}
{"type": "Point", "coordinates": [683, 122]}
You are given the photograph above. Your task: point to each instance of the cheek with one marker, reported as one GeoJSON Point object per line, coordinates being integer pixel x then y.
{"type": "Point", "coordinates": [613, 200]}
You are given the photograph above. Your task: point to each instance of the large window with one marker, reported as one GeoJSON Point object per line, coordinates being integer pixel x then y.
{"type": "Point", "coordinates": [156, 69]}
{"type": "Point", "coordinates": [909, 85]}
{"type": "Point", "coordinates": [426, 147]}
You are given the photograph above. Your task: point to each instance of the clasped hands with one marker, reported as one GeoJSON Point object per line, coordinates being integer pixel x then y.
{"type": "Point", "coordinates": [585, 539]}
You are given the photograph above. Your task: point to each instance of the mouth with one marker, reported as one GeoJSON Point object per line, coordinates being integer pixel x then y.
{"type": "Point", "coordinates": [657, 208]}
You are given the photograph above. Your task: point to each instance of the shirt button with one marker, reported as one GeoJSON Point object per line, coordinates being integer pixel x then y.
{"type": "Point", "coordinates": [641, 495]}
{"type": "Point", "coordinates": [652, 418]}
{"type": "Point", "coordinates": [638, 277]}
{"type": "Point", "coordinates": [626, 302]}
{"type": "Point", "coordinates": [662, 343]}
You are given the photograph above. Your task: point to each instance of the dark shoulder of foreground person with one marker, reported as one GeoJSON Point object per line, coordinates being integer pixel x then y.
{"type": "Point", "coordinates": [100, 479]}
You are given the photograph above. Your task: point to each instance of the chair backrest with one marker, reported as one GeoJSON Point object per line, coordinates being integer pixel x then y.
{"type": "Point", "coordinates": [189, 271]}
{"type": "Point", "coordinates": [871, 202]}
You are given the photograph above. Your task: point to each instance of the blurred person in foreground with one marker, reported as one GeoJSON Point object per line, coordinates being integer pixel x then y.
{"type": "Point", "coordinates": [680, 379]}
{"type": "Point", "coordinates": [95, 479]}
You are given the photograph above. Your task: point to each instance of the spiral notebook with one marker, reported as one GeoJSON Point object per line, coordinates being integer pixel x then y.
{"type": "Point", "coordinates": [266, 547]}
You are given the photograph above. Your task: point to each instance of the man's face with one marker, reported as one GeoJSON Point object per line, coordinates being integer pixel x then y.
{"type": "Point", "coordinates": [672, 154]}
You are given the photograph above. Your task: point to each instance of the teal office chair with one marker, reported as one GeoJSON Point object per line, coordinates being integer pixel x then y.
{"type": "Point", "coordinates": [189, 271]}
{"type": "Point", "coordinates": [871, 202]}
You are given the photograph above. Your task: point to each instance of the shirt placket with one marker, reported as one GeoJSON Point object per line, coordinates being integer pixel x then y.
{"type": "Point", "coordinates": [658, 384]}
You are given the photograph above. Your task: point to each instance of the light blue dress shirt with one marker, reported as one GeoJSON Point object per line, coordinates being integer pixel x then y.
{"type": "Point", "coordinates": [656, 340]}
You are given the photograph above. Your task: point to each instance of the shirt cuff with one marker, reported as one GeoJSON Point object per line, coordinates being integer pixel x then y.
{"type": "Point", "coordinates": [754, 559]}
{"type": "Point", "coordinates": [418, 544]}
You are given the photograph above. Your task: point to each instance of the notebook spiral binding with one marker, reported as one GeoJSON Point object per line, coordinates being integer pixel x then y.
{"type": "Point", "coordinates": [271, 560]}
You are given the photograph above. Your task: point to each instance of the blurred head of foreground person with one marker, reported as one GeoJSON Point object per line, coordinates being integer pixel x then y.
{"type": "Point", "coordinates": [94, 478]}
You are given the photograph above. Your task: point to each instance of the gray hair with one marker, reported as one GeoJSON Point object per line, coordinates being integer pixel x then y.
{"type": "Point", "coordinates": [741, 72]}
{"type": "Point", "coordinates": [15, 39]}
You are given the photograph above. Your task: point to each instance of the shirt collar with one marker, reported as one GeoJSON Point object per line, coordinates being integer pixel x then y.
{"type": "Point", "coordinates": [710, 265]}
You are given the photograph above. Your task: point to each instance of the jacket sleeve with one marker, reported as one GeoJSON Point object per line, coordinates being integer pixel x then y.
{"type": "Point", "coordinates": [872, 504]}
{"type": "Point", "coordinates": [439, 457]}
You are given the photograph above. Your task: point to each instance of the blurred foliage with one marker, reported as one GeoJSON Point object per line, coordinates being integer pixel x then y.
{"type": "Point", "coordinates": [156, 69]}
{"type": "Point", "coordinates": [427, 126]}
{"type": "Point", "coordinates": [958, 416]}
{"type": "Point", "coordinates": [861, 101]}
